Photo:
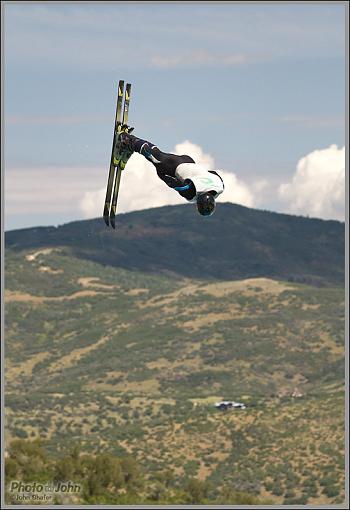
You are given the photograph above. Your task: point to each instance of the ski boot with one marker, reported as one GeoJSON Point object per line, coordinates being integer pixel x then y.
{"type": "Point", "coordinates": [123, 149]}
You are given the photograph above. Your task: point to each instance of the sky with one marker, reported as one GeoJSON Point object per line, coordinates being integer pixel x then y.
{"type": "Point", "coordinates": [254, 91]}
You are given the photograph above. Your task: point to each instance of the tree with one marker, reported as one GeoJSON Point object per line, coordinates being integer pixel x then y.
{"type": "Point", "coordinates": [196, 490]}
{"type": "Point", "coordinates": [130, 470]}
{"type": "Point", "coordinates": [20, 449]}
{"type": "Point", "coordinates": [11, 468]}
{"type": "Point", "coordinates": [102, 472]}
{"type": "Point", "coordinates": [233, 497]}
{"type": "Point", "coordinates": [29, 456]}
{"type": "Point", "coordinates": [64, 470]}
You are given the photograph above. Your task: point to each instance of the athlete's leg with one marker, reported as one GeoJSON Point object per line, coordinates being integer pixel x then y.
{"type": "Point", "coordinates": [164, 162]}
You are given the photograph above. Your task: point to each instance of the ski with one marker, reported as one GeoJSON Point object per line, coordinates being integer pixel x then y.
{"type": "Point", "coordinates": [112, 165]}
{"type": "Point", "coordinates": [119, 164]}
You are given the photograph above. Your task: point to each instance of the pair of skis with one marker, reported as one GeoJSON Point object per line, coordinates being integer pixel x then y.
{"type": "Point", "coordinates": [115, 167]}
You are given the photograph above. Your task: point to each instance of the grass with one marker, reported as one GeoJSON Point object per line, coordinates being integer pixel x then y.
{"type": "Point", "coordinates": [134, 371]}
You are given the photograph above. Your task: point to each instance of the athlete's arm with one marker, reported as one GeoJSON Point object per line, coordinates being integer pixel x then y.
{"type": "Point", "coordinates": [187, 189]}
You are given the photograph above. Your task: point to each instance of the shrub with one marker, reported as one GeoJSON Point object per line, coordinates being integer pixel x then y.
{"type": "Point", "coordinates": [277, 490]}
{"type": "Point", "coordinates": [289, 494]}
{"type": "Point", "coordinates": [11, 468]}
{"type": "Point", "coordinates": [196, 490]}
{"type": "Point", "coordinates": [21, 433]}
{"type": "Point", "coordinates": [331, 491]}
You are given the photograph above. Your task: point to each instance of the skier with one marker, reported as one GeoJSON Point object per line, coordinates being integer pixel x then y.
{"type": "Point", "coordinates": [192, 181]}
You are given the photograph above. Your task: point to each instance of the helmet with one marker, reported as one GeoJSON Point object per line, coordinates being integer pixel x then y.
{"type": "Point", "coordinates": [206, 204]}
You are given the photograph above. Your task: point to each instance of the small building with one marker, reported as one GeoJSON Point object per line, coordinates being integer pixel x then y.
{"type": "Point", "coordinates": [296, 393]}
{"type": "Point", "coordinates": [224, 405]}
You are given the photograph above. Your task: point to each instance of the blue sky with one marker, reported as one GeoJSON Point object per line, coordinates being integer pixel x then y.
{"type": "Point", "coordinates": [258, 87]}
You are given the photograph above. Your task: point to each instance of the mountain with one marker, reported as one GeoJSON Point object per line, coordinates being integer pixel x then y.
{"type": "Point", "coordinates": [235, 243]}
{"type": "Point", "coordinates": [126, 362]}
{"type": "Point", "coordinates": [123, 341]}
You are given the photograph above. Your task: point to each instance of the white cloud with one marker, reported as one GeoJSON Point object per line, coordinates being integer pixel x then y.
{"type": "Point", "coordinates": [196, 153]}
{"type": "Point", "coordinates": [236, 191]}
{"type": "Point", "coordinates": [49, 190]}
{"type": "Point", "coordinates": [318, 185]}
{"type": "Point", "coordinates": [316, 189]}
{"type": "Point", "coordinates": [141, 188]}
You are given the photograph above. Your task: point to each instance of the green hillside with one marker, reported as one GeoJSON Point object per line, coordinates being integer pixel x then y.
{"type": "Point", "coordinates": [131, 362]}
{"type": "Point", "coordinates": [235, 243]}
